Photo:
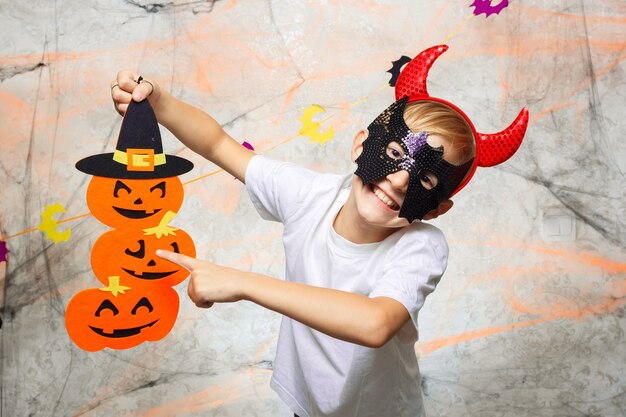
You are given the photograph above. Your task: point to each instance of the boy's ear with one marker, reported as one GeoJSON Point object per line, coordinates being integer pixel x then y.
{"type": "Point", "coordinates": [441, 209]}
{"type": "Point", "coordinates": [357, 144]}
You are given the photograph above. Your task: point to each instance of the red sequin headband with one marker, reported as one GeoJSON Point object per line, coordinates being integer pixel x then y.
{"type": "Point", "coordinates": [491, 148]}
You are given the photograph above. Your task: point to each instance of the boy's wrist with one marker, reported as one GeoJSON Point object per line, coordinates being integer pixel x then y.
{"type": "Point", "coordinates": [159, 104]}
{"type": "Point", "coordinates": [247, 282]}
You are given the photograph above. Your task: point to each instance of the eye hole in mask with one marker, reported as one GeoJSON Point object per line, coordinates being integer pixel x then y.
{"type": "Point", "coordinates": [395, 151]}
{"type": "Point", "coordinates": [427, 178]}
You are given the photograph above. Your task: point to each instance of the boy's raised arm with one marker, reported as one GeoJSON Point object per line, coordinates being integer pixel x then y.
{"type": "Point", "coordinates": [192, 126]}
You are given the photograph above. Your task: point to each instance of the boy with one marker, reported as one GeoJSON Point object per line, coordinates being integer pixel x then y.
{"type": "Point", "coordinates": [358, 265]}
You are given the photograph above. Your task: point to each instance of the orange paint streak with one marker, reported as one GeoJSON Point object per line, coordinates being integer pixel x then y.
{"type": "Point", "coordinates": [496, 275]}
{"type": "Point", "coordinates": [573, 256]}
{"type": "Point", "coordinates": [607, 307]}
{"type": "Point", "coordinates": [202, 84]}
{"type": "Point", "coordinates": [574, 260]}
{"type": "Point", "coordinates": [370, 7]}
{"type": "Point", "coordinates": [208, 399]}
{"type": "Point", "coordinates": [230, 4]}
{"type": "Point", "coordinates": [291, 92]}
{"type": "Point", "coordinates": [426, 348]}
{"type": "Point", "coordinates": [553, 109]}
{"type": "Point", "coordinates": [582, 257]}
{"type": "Point", "coordinates": [263, 348]}
{"type": "Point", "coordinates": [599, 73]}
{"type": "Point", "coordinates": [261, 240]}
{"type": "Point", "coordinates": [433, 26]}
{"type": "Point", "coordinates": [534, 13]}
{"type": "Point", "coordinates": [13, 108]}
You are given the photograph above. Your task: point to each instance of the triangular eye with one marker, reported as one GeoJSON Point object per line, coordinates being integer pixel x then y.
{"type": "Point", "coordinates": [139, 253]}
{"type": "Point", "coordinates": [161, 187]}
{"type": "Point", "coordinates": [175, 247]}
{"type": "Point", "coordinates": [119, 185]}
{"type": "Point", "coordinates": [107, 305]}
{"type": "Point", "coordinates": [142, 303]}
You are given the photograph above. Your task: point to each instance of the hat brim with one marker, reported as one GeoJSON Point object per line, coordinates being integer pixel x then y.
{"type": "Point", "coordinates": [103, 165]}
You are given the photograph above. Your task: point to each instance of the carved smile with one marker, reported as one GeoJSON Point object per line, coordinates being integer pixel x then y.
{"type": "Point", "coordinates": [135, 214]}
{"type": "Point", "coordinates": [122, 332]}
{"type": "Point", "coordinates": [149, 275]}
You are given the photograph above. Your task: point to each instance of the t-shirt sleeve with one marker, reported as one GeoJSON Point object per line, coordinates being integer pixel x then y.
{"type": "Point", "coordinates": [277, 189]}
{"type": "Point", "coordinates": [413, 268]}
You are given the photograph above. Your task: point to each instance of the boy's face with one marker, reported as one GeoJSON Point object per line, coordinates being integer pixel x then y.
{"type": "Point", "coordinates": [429, 162]}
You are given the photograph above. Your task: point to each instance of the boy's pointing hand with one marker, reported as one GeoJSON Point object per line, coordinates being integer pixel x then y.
{"type": "Point", "coordinates": [209, 283]}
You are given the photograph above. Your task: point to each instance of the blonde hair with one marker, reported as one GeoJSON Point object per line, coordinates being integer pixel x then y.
{"type": "Point", "coordinates": [442, 120]}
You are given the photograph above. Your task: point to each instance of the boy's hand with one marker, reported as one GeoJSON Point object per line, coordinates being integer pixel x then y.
{"type": "Point", "coordinates": [209, 283]}
{"type": "Point", "coordinates": [130, 86]}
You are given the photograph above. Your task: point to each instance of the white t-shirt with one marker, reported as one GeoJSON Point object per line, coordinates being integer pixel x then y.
{"type": "Point", "coordinates": [318, 375]}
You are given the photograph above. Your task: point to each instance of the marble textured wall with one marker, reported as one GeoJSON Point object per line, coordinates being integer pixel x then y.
{"type": "Point", "coordinates": [529, 319]}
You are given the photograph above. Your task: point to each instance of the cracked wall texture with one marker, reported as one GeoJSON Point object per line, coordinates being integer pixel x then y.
{"type": "Point", "coordinates": [529, 318]}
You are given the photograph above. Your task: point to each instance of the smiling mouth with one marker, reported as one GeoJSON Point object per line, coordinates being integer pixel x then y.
{"type": "Point", "coordinates": [122, 332]}
{"type": "Point", "coordinates": [149, 275]}
{"type": "Point", "coordinates": [135, 214]}
{"type": "Point", "coordinates": [384, 198]}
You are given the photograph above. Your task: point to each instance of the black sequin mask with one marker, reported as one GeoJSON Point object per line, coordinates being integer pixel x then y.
{"type": "Point", "coordinates": [374, 163]}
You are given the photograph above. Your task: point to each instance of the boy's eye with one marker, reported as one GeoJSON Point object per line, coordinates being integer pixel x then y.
{"type": "Point", "coordinates": [428, 179]}
{"type": "Point", "coordinates": [394, 151]}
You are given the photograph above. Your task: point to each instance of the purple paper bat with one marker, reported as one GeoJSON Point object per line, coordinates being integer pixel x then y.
{"type": "Point", "coordinates": [484, 6]}
{"type": "Point", "coordinates": [3, 251]}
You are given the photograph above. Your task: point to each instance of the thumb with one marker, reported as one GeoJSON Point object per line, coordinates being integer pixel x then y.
{"type": "Point", "coordinates": [146, 89]}
{"type": "Point", "coordinates": [185, 261]}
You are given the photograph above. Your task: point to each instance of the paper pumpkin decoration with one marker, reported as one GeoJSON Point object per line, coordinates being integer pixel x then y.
{"type": "Point", "coordinates": [132, 203]}
{"type": "Point", "coordinates": [119, 316]}
{"type": "Point", "coordinates": [136, 191]}
{"type": "Point", "coordinates": [132, 256]}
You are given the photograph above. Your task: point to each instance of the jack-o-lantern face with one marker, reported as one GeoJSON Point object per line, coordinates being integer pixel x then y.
{"type": "Point", "coordinates": [121, 317]}
{"type": "Point", "coordinates": [131, 254]}
{"type": "Point", "coordinates": [125, 203]}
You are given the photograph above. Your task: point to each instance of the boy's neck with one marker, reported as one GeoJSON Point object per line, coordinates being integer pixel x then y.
{"type": "Point", "coordinates": [349, 226]}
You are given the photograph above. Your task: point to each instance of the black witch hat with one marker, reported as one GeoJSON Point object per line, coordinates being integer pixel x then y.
{"type": "Point", "coordinates": [139, 150]}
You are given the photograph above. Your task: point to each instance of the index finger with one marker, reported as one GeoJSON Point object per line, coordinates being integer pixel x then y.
{"type": "Point", "coordinates": [185, 261]}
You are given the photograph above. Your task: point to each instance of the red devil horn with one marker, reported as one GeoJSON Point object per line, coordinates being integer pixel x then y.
{"type": "Point", "coordinates": [495, 148]}
{"type": "Point", "coordinates": [412, 79]}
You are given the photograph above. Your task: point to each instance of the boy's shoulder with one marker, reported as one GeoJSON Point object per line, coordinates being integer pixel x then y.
{"type": "Point", "coordinates": [305, 180]}
{"type": "Point", "coordinates": [289, 191]}
{"type": "Point", "coordinates": [420, 236]}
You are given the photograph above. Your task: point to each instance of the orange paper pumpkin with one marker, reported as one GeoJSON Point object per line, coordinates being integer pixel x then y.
{"type": "Point", "coordinates": [121, 317]}
{"type": "Point", "coordinates": [131, 254]}
{"type": "Point", "coordinates": [133, 203]}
